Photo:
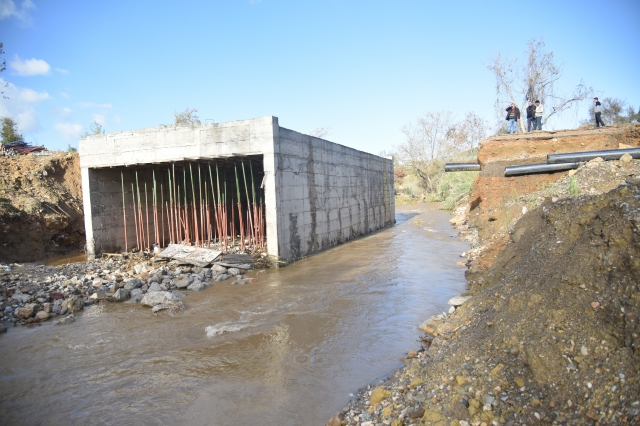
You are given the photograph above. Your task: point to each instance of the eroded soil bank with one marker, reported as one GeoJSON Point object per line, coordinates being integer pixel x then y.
{"type": "Point", "coordinates": [40, 207]}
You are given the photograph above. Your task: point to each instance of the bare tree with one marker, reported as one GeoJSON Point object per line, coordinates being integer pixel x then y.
{"type": "Point", "coordinates": [321, 132]}
{"type": "Point", "coordinates": [188, 117]}
{"type": "Point", "coordinates": [537, 78]}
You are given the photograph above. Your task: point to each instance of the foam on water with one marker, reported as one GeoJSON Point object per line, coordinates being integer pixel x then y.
{"type": "Point", "coordinates": [217, 330]}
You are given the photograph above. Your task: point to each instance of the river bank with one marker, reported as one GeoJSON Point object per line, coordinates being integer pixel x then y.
{"type": "Point", "coordinates": [550, 333]}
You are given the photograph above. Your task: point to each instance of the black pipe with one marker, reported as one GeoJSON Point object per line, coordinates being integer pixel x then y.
{"type": "Point", "coordinates": [462, 167]}
{"type": "Point", "coordinates": [538, 168]}
{"type": "Point", "coordinates": [572, 157]}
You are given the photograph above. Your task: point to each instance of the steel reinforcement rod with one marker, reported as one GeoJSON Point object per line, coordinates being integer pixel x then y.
{"type": "Point", "coordinates": [527, 169]}
{"type": "Point", "coordinates": [574, 157]}
{"type": "Point", "coordinates": [462, 167]}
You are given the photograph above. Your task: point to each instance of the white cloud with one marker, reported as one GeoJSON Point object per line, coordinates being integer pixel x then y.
{"type": "Point", "coordinates": [65, 95]}
{"type": "Point", "coordinates": [29, 66]}
{"type": "Point", "coordinates": [20, 105]}
{"type": "Point", "coordinates": [94, 105]}
{"type": "Point", "coordinates": [8, 9]}
{"type": "Point", "coordinates": [31, 96]}
{"type": "Point", "coordinates": [100, 119]}
{"type": "Point", "coordinates": [62, 71]}
{"type": "Point", "coordinates": [62, 113]}
{"type": "Point", "coordinates": [116, 119]}
{"type": "Point", "coordinates": [69, 131]}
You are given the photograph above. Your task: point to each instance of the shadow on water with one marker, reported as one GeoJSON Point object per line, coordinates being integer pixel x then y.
{"type": "Point", "coordinates": [286, 349]}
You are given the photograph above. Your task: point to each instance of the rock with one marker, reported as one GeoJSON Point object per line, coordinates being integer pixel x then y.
{"type": "Point", "coordinates": [218, 269]}
{"type": "Point", "coordinates": [416, 413]}
{"type": "Point", "coordinates": [121, 295]}
{"type": "Point", "coordinates": [132, 284]}
{"type": "Point", "coordinates": [97, 282]}
{"type": "Point", "coordinates": [140, 268]}
{"type": "Point", "coordinates": [179, 294]}
{"type": "Point", "coordinates": [136, 299]}
{"type": "Point", "coordinates": [18, 296]}
{"type": "Point", "coordinates": [458, 300]}
{"type": "Point", "coordinates": [335, 420]}
{"type": "Point", "coordinates": [154, 287]}
{"type": "Point", "coordinates": [169, 301]}
{"type": "Point", "coordinates": [233, 271]}
{"type": "Point", "coordinates": [597, 160]}
{"type": "Point", "coordinates": [66, 320]}
{"type": "Point", "coordinates": [595, 305]}
{"type": "Point", "coordinates": [572, 172]}
{"type": "Point", "coordinates": [626, 158]}
{"type": "Point", "coordinates": [135, 292]}
{"type": "Point", "coordinates": [412, 354]}
{"type": "Point", "coordinates": [56, 296]}
{"type": "Point", "coordinates": [196, 286]}
{"type": "Point", "coordinates": [222, 277]}
{"type": "Point", "coordinates": [26, 311]}
{"type": "Point", "coordinates": [452, 309]}
{"type": "Point", "coordinates": [633, 181]}
{"type": "Point", "coordinates": [239, 282]}
{"type": "Point", "coordinates": [183, 283]}
{"type": "Point", "coordinates": [377, 395]}
{"type": "Point", "coordinates": [3, 329]}
{"type": "Point", "coordinates": [624, 146]}
{"type": "Point", "coordinates": [73, 304]}
{"type": "Point", "coordinates": [42, 315]}
{"type": "Point", "coordinates": [46, 307]}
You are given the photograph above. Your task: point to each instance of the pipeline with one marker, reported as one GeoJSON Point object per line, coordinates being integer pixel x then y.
{"type": "Point", "coordinates": [462, 167]}
{"type": "Point", "coordinates": [573, 157]}
{"type": "Point", "coordinates": [538, 168]}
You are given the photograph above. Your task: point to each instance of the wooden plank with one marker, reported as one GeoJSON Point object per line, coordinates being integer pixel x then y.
{"type": "Point", "coordinates": [188, 254]}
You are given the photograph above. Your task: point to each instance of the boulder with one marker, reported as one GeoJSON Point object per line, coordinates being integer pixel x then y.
{"type": "Point", "coordinates": [218, 269]}
{"type": "Point", "coordinates": [222, 277]}
{"type": "Point", "coordinates": [42, 315]}
{"type": "Point", "coordinates": [458, 300]}
{"type": "Point", "coordinates": [73, 304]}
{"type": "Point", "coordinates": [183, 283]}
{"type": "Point", "coordinates": [135, 292]}
{"type": "Point", "coordinates": [19, 296]}
{"type": "Point", "coordinates": [233, 271]}
{"type": "Point", "coordinates": [154, 287]}
{"type": "Point", "coordinates": [162, 298]}
{"type": "Point", "coordinates": [196, 286]}
{"type": "Point", "coordinates": [121, 295]}
{"type": "Point", "coordinates": [26, 311]}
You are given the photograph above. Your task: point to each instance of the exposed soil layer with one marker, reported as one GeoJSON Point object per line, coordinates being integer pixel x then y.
{"type": "Point", "coordinates": [40, 207]}
{"type": "Point", "coordinates": [492, 212]}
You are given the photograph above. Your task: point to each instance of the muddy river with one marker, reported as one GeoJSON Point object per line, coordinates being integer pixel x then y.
{"type": "Point", "coordinates": [287, 349]}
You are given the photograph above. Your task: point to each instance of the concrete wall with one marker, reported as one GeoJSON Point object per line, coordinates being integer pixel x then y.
{"type": "Point", "coordinates": [317, 193]}
{"type": "Point", "coordinates": [165, 144]}
{"type": "Point", "coordinates": [328, 193]}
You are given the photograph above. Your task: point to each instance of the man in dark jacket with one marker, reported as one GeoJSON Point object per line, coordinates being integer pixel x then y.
{"type": "Point", "coordinates": [598, 110]}
{"type": "Point", "coordinates": [531, 115]}
{"type": "Point", "coordinates": [513, 115]}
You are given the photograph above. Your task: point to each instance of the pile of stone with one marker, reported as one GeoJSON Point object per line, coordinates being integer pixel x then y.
{"type": "Point", "coordinates": [31, 293]}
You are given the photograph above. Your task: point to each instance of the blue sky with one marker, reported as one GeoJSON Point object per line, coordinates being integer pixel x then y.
{"type": "Point", "coordinates": [363, 69]}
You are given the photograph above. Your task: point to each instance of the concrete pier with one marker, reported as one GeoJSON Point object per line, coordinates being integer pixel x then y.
{"type": "Point", "coordinates": [316, 193]}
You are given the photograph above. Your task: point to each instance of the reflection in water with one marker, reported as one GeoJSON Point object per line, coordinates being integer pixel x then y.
{"type": "Point", "coordinates": [287, 349]}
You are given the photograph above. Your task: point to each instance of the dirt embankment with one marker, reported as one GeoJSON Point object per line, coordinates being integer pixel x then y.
{"type": "Point", "coordinates": [496, 202]}
{"type": "Point", "coordinates": [551, 331]}
{"type": "Point", "coordinates": [40, 207]}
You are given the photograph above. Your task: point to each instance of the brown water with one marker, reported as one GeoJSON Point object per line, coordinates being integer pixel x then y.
{"type": "Point", "coordinates": [63, 259]}
{"type": "Point", "coordinates": [285, 350]}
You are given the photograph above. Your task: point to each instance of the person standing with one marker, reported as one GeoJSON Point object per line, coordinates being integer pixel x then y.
{"type": "Point", "coordinates": [513, 115]}
{"type": "Point", "coordinates": [598, 110]}
{"type": "Point", "coordinates": [531, 116]}
{"type": "Point", "coordinates": [539, 112]}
